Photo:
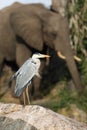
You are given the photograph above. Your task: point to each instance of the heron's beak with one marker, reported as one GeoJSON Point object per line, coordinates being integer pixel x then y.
{"type": "Point", "coordinates": [44, 56]}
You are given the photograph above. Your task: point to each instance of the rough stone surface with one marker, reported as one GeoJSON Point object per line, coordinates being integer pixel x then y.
{"type": "Point", "coordinates": [33, 117]}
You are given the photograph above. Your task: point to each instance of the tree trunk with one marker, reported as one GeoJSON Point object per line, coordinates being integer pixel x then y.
{"type": "Point", "coordinates": [59, 6]}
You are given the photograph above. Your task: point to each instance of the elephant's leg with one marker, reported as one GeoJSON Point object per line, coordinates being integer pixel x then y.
{"type": "Point", "coordinates": [1, 68]}
{"type": "Point", "coordinates": [22, 53]}
{"type": "Point", "coordinates": [1, 63]}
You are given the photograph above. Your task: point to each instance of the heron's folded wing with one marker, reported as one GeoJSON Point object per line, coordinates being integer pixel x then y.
{"type": "Point", "coordinates": [19, 91]}
{"type": "Point", "coordinates": [22, 68]}
{"type": "Point", "coordinates": [24, 78]}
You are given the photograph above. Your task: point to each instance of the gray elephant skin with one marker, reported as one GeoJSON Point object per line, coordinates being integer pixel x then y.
{"type": "Point", "coordinates": [36, 25]}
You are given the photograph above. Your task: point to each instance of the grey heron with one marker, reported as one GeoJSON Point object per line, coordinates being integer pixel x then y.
{"type": "Point", "coordinates": [26, 72]}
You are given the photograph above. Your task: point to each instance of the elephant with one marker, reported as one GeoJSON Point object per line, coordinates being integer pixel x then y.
{"type": "Point", "coordinates": [7, 44]}
{"type": "Point", "coordinates": [31, 27]}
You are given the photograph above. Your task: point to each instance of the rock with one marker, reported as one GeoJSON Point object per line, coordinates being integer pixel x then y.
{"type": "Point", "coordinates": [33, 117]}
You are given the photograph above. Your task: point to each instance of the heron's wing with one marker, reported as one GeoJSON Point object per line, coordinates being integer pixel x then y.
{"type": "Point", "coordinates": [22, 68]}
{"type": "Point", "coordinates": [25, 76]}
{"type": "Point", "coordinates": [19, 91]}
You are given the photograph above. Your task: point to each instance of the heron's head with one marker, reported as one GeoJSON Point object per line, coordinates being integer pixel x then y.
{"type": "Point", "coordinates": [39, 55]}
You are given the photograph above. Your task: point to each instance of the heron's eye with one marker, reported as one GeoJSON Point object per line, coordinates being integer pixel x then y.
{"type": "Point", "coordinates": [34, 62]}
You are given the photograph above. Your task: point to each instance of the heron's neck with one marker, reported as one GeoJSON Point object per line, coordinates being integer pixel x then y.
{"type": "Point", "coordinates": [37, 62]}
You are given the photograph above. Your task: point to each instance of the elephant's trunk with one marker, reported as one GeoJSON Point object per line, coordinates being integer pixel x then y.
{"type": "Point", "coordinates": [62, 44]}
{"type": "Point", "coordinates": [70, 60]}
{"type": "Point", "coordinates": [74, 73]}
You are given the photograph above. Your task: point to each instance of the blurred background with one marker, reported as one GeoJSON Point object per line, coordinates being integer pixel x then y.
{"type": "Point", "coordinates": [57, 90]}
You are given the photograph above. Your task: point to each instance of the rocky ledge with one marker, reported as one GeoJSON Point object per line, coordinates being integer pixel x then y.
{"type": "Point", "coordinates": [33, 117]}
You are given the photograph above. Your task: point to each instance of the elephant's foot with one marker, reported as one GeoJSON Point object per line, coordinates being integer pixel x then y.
{"type": "Point", "coordinates": [37, 96]}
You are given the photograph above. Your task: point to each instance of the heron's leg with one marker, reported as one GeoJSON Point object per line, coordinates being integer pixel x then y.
{"type": "Point", "coordinates": [1, 63]}
{"type": "Point", "coordinates": [27, 94]}
{"type": "Point", "coordinates": [24, 98]}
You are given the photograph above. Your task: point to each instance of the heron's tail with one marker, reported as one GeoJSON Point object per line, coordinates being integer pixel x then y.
{"type": "Point", "coordinates": [18, 92]}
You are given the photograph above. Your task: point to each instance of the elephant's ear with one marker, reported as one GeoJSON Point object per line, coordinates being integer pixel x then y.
{"type": "Point", "coordinates": [29, 28]}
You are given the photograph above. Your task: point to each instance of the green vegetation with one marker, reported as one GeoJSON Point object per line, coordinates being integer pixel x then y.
{"type": "Point", "coordinates": [65, 98]}
{"type": "Point", "coordinates": [65, 101]}
{"type": "Point", "coordinates": [77, 13]}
